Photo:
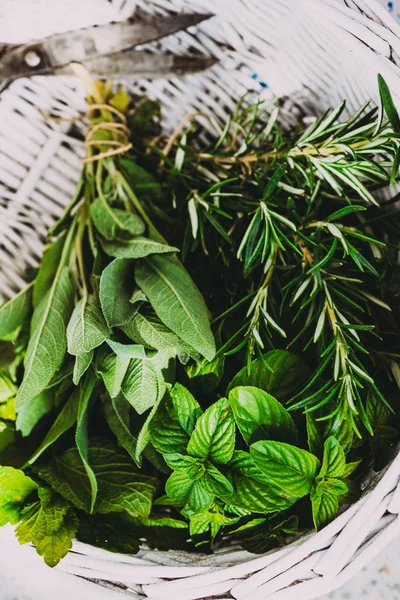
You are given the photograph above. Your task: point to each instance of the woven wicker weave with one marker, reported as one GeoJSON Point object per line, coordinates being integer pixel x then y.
{"type": "Point", "coordinates": [313, 51]}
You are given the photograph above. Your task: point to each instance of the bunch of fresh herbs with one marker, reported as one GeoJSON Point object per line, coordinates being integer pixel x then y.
{"type": "Point", "coordinates": [211, 343]}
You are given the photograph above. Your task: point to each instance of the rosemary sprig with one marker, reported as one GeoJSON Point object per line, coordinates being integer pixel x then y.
{"type": "Point", "coordinates": [300, 211]}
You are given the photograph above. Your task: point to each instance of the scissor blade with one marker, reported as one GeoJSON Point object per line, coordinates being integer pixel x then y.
{"type": "Point", "coordinates": [77, 46]}
{"type": "Point", "coordinates": [141, 65]}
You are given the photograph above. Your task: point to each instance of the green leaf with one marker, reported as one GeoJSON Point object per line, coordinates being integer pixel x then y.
{"type": "Point", "coordinates": [30, 413]}
{"type": "Point", "coordinates": [215, 482]}
{"type": "Point", "coordinates": [186, 491]}
{"type": "Point", "coordinates": [87, 328]}
{"type": "Point", "coordinates": [149, 331]}
{"type": "Point", "coordinates": [47, 344]}
{"type": "Point", "coordinates": [260, 417]}
{"type": "Point", "coordinates": [112, 369]}
{"type": "Point", "coordinates": [287, 467]}
{"type": "Point", "coordinates": [252, 490]}
{"type": "Point", "coordinates": [7, 435]}
{"type": "Point", "coordinates": [139, 247]}
{"type": "Point", "coordinates": [81, 435]}
{"type": "Point", "coordinates": [64, 421]}
{"type": "Point", "coordinates": [314, 438]}
{"type": "Point", "coordinates": [214, 434]}
{"type": "Point", "coordinates": [47, 270]}
{"type": "Point", "coordinates": [325, 505]}
{"type": "Point", "coordinates": [143, 385]}
{"type": "Point", "coordinates": [110, 222]}
{"type": "Point", "coordinates": [388, 104]}
{"type": "Point", "coordinates": [193, 467]}
{"type": "Point", "coordinates": [116, 285]}
{"type": "Point", "coordinates": [15, 312]}
{"type": "Point", "coordinates": [165, 431]}
{"type": "Point", "coordinates": [15, 488]}
{"type": "Point", "coordinates": [187, 409]}
{"type": "Point", "coordinates": [7, 388]}
{"type": "Point", "coordinates": [211, 520]}
{"type": "Point", "coordinates": [50, 525]}
{"type": "Point", "coordinates": [334, 461]}
{"type": "Point", "coordinates": [279, 372]}
{"type": "Point", "coordinates": [117, 414]}
{"type": "Point", "coordinates": [7, 410]}
{"type": "Point", "coordinates": [82, 363]}
{"type": "Point", "coordinates": [121, 487]}
{"type": "Point", "coordinates": [206, 376]}
{"type": "Point", "coordinates": [176, 301]}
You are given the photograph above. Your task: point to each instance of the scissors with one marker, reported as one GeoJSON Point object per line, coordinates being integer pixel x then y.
{"type": "Point", "coordinates": [105, 50]}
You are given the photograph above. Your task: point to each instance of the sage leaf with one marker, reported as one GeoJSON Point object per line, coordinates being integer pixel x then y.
{"type": "Point", "coordinates": [86, 329]}
{"type": "Point", "coordinates": [252, 490]}
{"type": "Point", "coordinates": [138, 247]}
{"type": "Point", "coordinates": [142, 385]}
{"type": "Point", "coordinates": [127, 350]}
{"type": "Point", "coordinates": [30, 413]}
{"type": "Point", "coordinates": [109, 221]}
{"type": "Point", "coordinates": [47, 344]}
{"type": "Point", "coordinates": [64, 421]}
{"type": "Point", "coordinates": [82, 363]}
{"type": "Point", "coordinates": [176, 301]}
{"type": "Point", "coordinates": [278, 372]}
{"type": "Point", "coordinates": [115, 292]}
{"type": "Point", "coordinates": [289, 468]}
{"type": "Point", "coordinates": [15, 312]}
{"type": "Point", "coordinates": [121, 487]}
{"type": "Point", "coordinates": [81, 435]}
{"type": "Point", "coordinates": [47, 270]}
{"type": "Point", "coordinates": [112, 369]}
{"type": "Point", "coordinates": [260, 417]}
{"type": "Point", "coordinates": [214, 434]}
{"type": "Point", "coordinates": [117, 414]}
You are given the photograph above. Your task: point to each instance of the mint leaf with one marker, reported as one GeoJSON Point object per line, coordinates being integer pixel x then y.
{"type": "Point", "coordinates": [116, 285]}
{"type": "Point", "coordinates": [193, 467]}
{"type": "Point", "coordinates": [143, 384]}
{"type": "Point", "coordinates": [47, 344]}
{"type": "Point", "coordinates": [111, 222]}
{"type": "Point", "coordinates": [15, 488]}
{"type": "Point", "coordinates": [165, 431]}
{"type": "Point", "coordinates": [176, 301]}
{"type": "Point", "coordinates": [30, 413]}
{"type": "Point", "coordinates": [206, 376]}
{"type": "Point", "coordinates": [86, 329]}
{"type": "Point", "coordinates": [7, 410]}
{"type": "Point", "coordinates": [81, 435]}
{"type": "Point", "coordinates": [289, 468]}
{"type": "Point", "coordinates": [325, 504]}
{"type": "Point", "coordinates": [260, 417]}
{"type": "Point", "coordinates": [188, 491]}
{"type": "Point", "coordinates": [252, 490]}
{"type": "Point", "coordinates": [314, 437]}
{"type": "Point", "coordinates": [15, 312]}
{"type": "Point", "coordinates": [334, 461]}
{"type": "Point", "coordinates": [215, 482]}
{"type": "Point", "coordinates": [138, 247]}
{"type": "Point", "coordinates": [211, 520]}
{"type": "Point", "coordinates": [214, 434]}
{"type": "Point", "coordinates": [187, 409]}
{"type": "Point", "coordinates": [278, 372]}
{"type": "Point", "coordinates": [121, 487]}
{"type": "Point", "coordinates": [50, 524]}
{"type": "Point", "coordinates": [82, 363]}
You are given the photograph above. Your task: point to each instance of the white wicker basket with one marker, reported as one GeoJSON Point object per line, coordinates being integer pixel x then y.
{"type": "Point", "coordinates": [315, 51]}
